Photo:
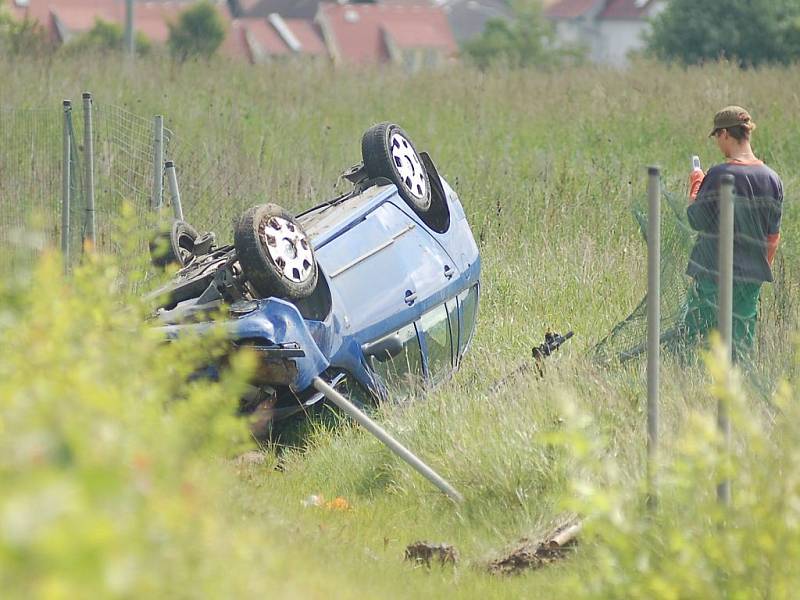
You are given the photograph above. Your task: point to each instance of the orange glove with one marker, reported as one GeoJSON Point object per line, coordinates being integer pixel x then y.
{"type": "Point", "coordinates": [696, 178]}
{"type": "Point", "coordinates": [772, 246]}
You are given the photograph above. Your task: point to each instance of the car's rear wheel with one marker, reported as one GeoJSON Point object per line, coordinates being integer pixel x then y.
{"type": "Point", "coordinates": [388, 152]}
{"type": "Point", "coordinates": [275, 253]}
{"type": "Point", "coordinates": [173, 245]}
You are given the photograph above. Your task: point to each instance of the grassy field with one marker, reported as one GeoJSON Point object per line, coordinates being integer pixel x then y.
{"type": "Point", "coordinates": [103, 494]}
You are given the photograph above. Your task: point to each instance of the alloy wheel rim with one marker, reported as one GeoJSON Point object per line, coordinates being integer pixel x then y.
{"type": "Point", "coordinates": [288, 248]}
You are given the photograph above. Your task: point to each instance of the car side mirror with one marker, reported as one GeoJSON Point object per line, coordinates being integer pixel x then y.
{"type": "Point", "coordinates": [384, 349]}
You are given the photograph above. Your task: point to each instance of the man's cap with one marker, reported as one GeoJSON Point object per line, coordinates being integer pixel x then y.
{"type": "Point", "coordinates": [730, 116]}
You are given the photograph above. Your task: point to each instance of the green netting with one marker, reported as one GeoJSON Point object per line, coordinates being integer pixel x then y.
{"type": "Point", "coordinates": [689, 304]}
{"type": "Point", "coordinates": [628, 338]}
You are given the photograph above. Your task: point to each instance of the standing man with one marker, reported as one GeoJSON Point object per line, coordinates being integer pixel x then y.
{"type": "Point", "coordinates": [758, 200]}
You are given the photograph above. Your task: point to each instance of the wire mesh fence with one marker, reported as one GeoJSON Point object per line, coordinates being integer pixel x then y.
{"type": "Point", "coordinates": [34, 145]}
{"type": "Point", "coordinates": [628, 338]}
{"type": "Point", "coordinates": [776, 308]}
{"type": "Point", "coordinates": [125, 168]}
{"type": "Point", "coordinates": [30, 182]}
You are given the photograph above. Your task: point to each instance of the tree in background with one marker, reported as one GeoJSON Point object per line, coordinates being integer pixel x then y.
{"type": "Point", "coordinates": [752, 32]}
{"type": "Point", "coordinates": [527, 40]}
{"type": "Point", "coordinates": [198, 32]}
{"type": "Point", "coordinates": [107, 37]}
{"type": "Point", "coordinates": [24, 37]}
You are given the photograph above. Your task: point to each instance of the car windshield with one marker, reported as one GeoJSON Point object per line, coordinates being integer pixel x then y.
{"type": "Point", "coordinates": [402, 372]}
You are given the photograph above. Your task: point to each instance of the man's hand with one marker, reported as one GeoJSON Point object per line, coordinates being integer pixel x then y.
{"type": "Point", "coordinates": [696, 178]}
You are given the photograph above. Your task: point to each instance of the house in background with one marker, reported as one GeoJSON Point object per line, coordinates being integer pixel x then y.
{"type": "Point", "coordinates": [412, 35]}
{"type": "Point", "coordinates": [276, 37]}
{"type": "Point", "coordinates": [261, 9]}
{"type": "Point", "coordinates": [64, 20]}
{"type": "Point", "coordinates": [609, 29]}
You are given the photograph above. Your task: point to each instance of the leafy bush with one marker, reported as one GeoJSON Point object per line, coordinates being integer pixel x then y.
{"type": "Point", "coordinates": [752, 32]}
{"type": "Point", "coordinates": [108, 37]}
{"type": "Point", "coordinates": [526, 41]}
{"type": "Point", "coordinates": [693, 546]}
{"type": "Point", "coordinates": [198, 32]}
{"type": "Point", "coordinates": [109, 469]}
{"type": "Point", "coordinates": [25, 37]}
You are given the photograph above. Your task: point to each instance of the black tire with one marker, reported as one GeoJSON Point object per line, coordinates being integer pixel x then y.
{"type": "Point", "coordinates": [388, 152]}
{"type": "Point", "coordinates": [253, 242]}
{"type": "Point", "coordinates": [173, 245]}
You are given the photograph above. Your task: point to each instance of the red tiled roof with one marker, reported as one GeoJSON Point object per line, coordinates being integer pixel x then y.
{"type": "Point", "coordinates": [624, 9]}
{"type": "Point", "coordinates": [357, 29]}
{"type": "Point", "coordinates": [420, 35]}
{"type": "Point", "coordinates": [149, 18]}
{"type": "Point", "coordinates": [266, 40]}
{"type": "Point", "coordinates": [235, 45]}
{"type": "Point", "coordinates": [569, 9]}
{"type": "Point", "coordinates": [309, 36]}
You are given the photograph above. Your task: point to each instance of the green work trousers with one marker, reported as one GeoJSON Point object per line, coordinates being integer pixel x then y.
{"type": "Point", "coordinates": [701, 316]}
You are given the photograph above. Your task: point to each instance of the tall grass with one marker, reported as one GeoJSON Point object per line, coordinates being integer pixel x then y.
{"type": "Point", "coordinates": [547, 166]}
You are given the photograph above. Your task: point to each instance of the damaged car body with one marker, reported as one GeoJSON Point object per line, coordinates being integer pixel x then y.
{"type": "Point", "coordinates": [374, 290]}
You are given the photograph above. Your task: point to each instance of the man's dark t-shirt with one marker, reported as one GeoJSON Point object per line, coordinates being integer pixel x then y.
{"type": "Point", "coordinates": [758, 201]}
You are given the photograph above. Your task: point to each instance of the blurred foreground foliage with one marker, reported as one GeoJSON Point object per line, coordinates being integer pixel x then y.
{"type": "Point", "coordinates": [109, 459]}
{"type": "Point", "coordinates": [691, 546]}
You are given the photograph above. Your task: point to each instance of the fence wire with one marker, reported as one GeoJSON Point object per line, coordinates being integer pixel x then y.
{"type": "Point", "coordinates": [124, 171]}
{"type": "Point", "coordinates": [212, 194]}
{"type": "Point", "coordinates": [628, 338]}
{"type": "Point", "coordinates": [30, 183]}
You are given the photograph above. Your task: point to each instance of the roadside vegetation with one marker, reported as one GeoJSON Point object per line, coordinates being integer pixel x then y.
{"type": "Point", "coordinates": [119, 478]}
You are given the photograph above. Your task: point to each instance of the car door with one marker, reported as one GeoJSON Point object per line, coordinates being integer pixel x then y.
{"type": "Point", "coordinates": [370, 275]}
{"type": "Point", "coordinates": [439, 343]}
{"type": "Point", "coordinates": [468, 315]}
{"type": "Point", "coordinates": [401, 370]}
{"type": "Point", "coordinates": [430, 268]}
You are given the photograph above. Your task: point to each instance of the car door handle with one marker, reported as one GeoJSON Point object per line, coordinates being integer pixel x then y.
{"type": "Point", "coordinates": [410, 297]}
{"type": "Point", "coordinates": [448, 271]}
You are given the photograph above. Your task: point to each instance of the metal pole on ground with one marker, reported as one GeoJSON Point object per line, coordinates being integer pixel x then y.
{"type": "Point", "coordinates": [725, 314]}
{"type": "Point", "coordinates": [130, 47]}
{"type": "Point", "coordinates": [653, 327]}
{"type": "Point", "coordinates": [65, 185]}
{"type": "Point", "coordinates": [388, 440]}
{"type": "Point", "coordinates": [158, 162]}
{"type": "Point", "coordinates": [175, 194]}
{"type": "Point", "coordinates": [88, 151]}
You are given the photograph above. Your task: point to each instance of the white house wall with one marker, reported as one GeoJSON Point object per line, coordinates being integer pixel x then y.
{"type": "Point", "coordinates": [616, 39]}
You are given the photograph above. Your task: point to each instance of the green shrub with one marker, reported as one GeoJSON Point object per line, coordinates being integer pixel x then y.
{"type": "Point", "coordinates": [109, 458]}
{"type": "Point", "coordinates": [692, 546]}
{"type": "Point", "coordinates": [107, 37]}
{"type": "Point", "coordinates": [198, 32]}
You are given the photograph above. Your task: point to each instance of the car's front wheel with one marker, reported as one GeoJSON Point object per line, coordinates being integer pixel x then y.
{"type": "Point", "coordinates": [388, 152]}
{"type": "Point", "coordinates": [275, 253]}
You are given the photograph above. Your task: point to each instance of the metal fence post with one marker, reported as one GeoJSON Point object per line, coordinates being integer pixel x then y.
{"type": "Point", "coordinates": [653, 327]}
{"type": "Point", "coordinates": [725, 311]}
{"type": "Point", "coordinates": [158, 162]}
{"type": "Point", "coordinates": [65, 184]}
{"type": "Point", "coordinates": [174, 192]}
{"type": "Point", "coordinates": [88, 151]}
{"type": "Point", "coordinates": [391, 443]}
{"type": "Point", "coordinates": [130, 44]}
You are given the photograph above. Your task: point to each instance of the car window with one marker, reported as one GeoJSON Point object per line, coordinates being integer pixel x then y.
{"type": "Point", "coordinates": [468, 302]}
{"type": "Point", "coordinates": [452, 316]}
{"type": "Point", "coordinates": [403, 371]}
{"type": "Point", "coordinates": [435, 329]}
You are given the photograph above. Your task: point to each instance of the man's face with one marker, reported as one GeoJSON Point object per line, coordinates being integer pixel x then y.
{"type": "Point", "coordinates": [723, 141]}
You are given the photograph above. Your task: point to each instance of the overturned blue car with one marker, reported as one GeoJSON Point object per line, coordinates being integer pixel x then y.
{"type": "Point", "coordinates": [374, 291]}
